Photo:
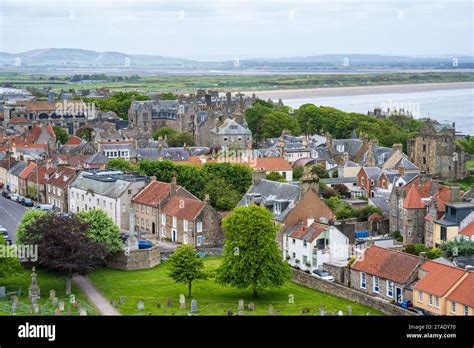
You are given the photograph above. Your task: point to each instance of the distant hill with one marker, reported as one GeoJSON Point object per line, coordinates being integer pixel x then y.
{"type": "Point", "coordinates": [56, 58]}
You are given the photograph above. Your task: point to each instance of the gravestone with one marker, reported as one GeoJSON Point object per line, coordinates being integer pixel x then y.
{"type": "Point", "coordinates": [182, 301]}
{"type": "Point", "coordinates": [251, 307]}
{"type": "Point", "coordinates": [14, 306]}
{"type": "Point", "coordinates": [169, 303]}
{"type": "Point", "coordinates": [194, 306]}
{"type": "Point", "coordinates": [55, 302]}
{"type": "Point", "coordinates": [321, 311]}
{"type": "Point", "coordinates": [57, 312]}
{"type": "Point", "coordinates": [33, 300]}
{"type": "Point", "coordinates": [340, 313]}
{"type": "Point", "coordinates": [270, 310]}
{"type": "Point", "coordinates": [52, 294]}
{"type": "Point", "coordinates": [115, 304]}
{"type": "Point", "coordinates": [83, 312]}
{"type": "Point", "coordinates": [34, 289]}
{"type": "Point", "coordinates": [3, 292]}
{"type": "Point", "coordinates": [349, 310]}
{"type": "Point", "coordinates": [306, 310]}
{"type": "Point", "coordinates": [230, 312]}
{"type": "Point", "coordinates": [241, 304]}
{"type": "Point", "coordinates": [14, 298]}
{"type": "Point", "coordinates": [140, 305]}
{"type": "Point", "coordinates": [36, 308]}
{"type": "Point", "coordinates": [158, 305]}
{"type": "Point", "coordinates": [61, 305]}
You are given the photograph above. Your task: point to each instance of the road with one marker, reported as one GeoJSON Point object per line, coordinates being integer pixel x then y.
{"type": "Point", "coordinates": [10, 215]}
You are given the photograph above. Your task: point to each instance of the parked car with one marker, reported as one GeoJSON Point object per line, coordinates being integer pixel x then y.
{"type": "Point", "coordinates": [45, 207]}
{"type": "Point", "coordinates": [15, 197]}
{"type": "Point", "coordinates": [27, 202]}
{"type": "Point", "coordinates": [406, 304]}
{"type": "Point", "coordinates": [323, 275]}
{"type": "Point", "coordinates": [6, 194]}
{"type": "Point", "coordinates": [144, 244]}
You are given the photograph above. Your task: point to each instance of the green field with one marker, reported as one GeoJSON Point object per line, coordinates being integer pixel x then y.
{"type": "Point", "coordinates": [188, 83]}
{"type": "Point", "coordinates": [46, 281]}
{"type": "Point", "coordinates": [153, 286]}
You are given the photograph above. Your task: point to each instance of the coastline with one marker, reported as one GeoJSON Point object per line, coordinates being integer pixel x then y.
{"type": "Point", "coordinates": [358, 90]}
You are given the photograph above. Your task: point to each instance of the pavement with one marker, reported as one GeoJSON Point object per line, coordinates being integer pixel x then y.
{"type": "Point", "coordinates": [10, 215]}
{"type": "Point", "coordinates": [95, 297]}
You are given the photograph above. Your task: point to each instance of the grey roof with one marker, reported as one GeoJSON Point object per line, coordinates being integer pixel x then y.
{"type": "Point", "coordinates": [230, 127]}
{"type": "Point", "coordinates": [322, 153]}
{"type": "Point", "coordinates": [199, 150]}
{"type": "Point", "coordinates": [98, 158]}
{"type": "Point", "coordinates": [106, 183]}
{"type": "Point", "coordinates": [267, 193]}
{"type": "Point", "coordinates": [351, 146]}
{"type": "Point", "coordinates": [170, 153]}
{"type": "Point", "coordinates": [405, 163]}
{"type": "Point", "coordinates": [346, 180]}
{"type": "Point", "coordinates": [18, 168]}
{"type": "Point", "coordinates": [266, 153]}
{"type": "Point", "coordinates": [373, 172]}
{"type": "Point", "coordinates": [381, 203]}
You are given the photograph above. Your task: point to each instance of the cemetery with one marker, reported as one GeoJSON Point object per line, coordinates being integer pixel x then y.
{"type": "Point", "coordinates": [153, 292]}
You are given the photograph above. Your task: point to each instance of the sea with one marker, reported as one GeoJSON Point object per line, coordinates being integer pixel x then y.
{"type": "Point", "coordinates": [445, 106]}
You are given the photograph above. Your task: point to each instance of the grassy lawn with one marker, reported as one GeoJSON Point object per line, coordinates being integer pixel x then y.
{"type": "Point", "coordinates": [46, 281]}
{"type": "Point", "coordinates": [153, 286]}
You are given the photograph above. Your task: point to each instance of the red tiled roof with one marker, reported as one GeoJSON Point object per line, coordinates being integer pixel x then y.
{"type": "Point", "coordinates": [153, 193]}
{"type": "Point", "coordinates": [311, 232]}
{"type": "Point", "coordinates": [464, 292]}
{"type": "Point", "coordinates": [33, 134]}
{"type": "Point", "coordinates": [439, 278]}
{"type": "Point", "coordinates": [24, 174]}
{"type": "Point", "coordinates": [183, 208]}
{"type": "Point", "coordinates": [18, 119]}
{"type": "Point", "coordinates": [413, 199]}
{"type": "Point", "coordinates": [62, 178]}
{"type": "Point", "coordinates": [38, 175]}
{"type": "Point", "coordinates": [387, 263]}
{"type": "Point", "coordinates": [272, 164]}
{"type": "Point", "coordinates": [73, 140]}
{"type": "Point", "coordinates": [50, 130]}
{"type": "Point", "coordinates": [468, 230]}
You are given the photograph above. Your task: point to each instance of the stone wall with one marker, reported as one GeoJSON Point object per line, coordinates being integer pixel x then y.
{"type": "Point", "coordinates": [340, 273]}
{"type": "Point", "coordinates": [137, 259]}
{"type": "Point", "coordinates": [347, 293]}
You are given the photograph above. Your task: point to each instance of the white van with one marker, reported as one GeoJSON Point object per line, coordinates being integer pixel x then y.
{"type": "Point", "coordinates": [44, 207]}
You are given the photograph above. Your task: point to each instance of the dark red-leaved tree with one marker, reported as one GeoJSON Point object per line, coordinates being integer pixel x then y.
{"type": "Point", "coordinates": [64, 247]}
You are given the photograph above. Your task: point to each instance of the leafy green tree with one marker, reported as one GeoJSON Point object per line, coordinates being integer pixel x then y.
{"type": "Point", "coordinates": [61, 134]}
{"type": "Point", "coordinates": [275, 176]}
{"type": "Point", "coordinates": [180, 139]}
{"type": "Point", "coordinates": [164, 132]}
{"type": "Point", "coordinates": [298, 172]}
{"type": "Point", "coordinates": [162, 170]}
{"type": "Point", "coordinates": [456, 247]}
{"type": "Point", "coordinates": [434, 253]}
{"type": "Point", "coordinates": [84, 133]}
{"type": "Point", "coordinates": [185, 266]}
{"type": "Point", "coordinates": [121, 164]}
{"type": "Point", "coordinates": [251, 256]}
{"type": "Point", "coordinates": [238, 176]}
{"type": "Point", "coordinates": [222, 195]}
{"type": "Point", "coordinates": [467, 144]}
{"type": "Point", "coordinates": [320, 170]}
{"type": "Point", "coordinates": [169, 96]}
{"type": "Point", "coordinates": [101, 228]}
{"type": "Point", "coordinates": [28, 218]}
{"type": "Point", "coordinates": [363, 214]}
{"type": "Point", "coordinates": [344, 213]}
{"type": "Point", "coordinates": [119, 102]}
{"type": "Point", "coordinates": [9, 266]}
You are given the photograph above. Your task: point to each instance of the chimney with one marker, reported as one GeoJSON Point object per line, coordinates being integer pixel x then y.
{"type": "Point", "coordinates": [173, 185]}
{"type": "Point", "coordinates": [434, 186]}
{"type": "Point", "coordinates": [207, 199]}
{"type": "Point", "coordinates": [422, 257]}
{"type": "Point", "coordinates": [309, 222]}
{"type": "Point", "coordinates": [397, 147]}
{"type": "Point", "coordinates": [455, 193]}
{"type": "Point", "coordinates": [401, 170]}
{"type": "Point", "coordinates": [152, 178]}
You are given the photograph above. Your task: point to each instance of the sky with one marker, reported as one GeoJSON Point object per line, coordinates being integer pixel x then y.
{"type": "Point", "coordinates": [228, 29]}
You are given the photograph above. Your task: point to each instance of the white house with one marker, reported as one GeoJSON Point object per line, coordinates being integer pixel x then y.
{"type": "Point", "coordinates": [308, 246]}
{"type": "Point", "coordinates": [111, 191]}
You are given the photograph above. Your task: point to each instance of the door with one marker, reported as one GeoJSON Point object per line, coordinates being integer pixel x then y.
{"type": "Point", "coordinates": [153, 231]}
{"type": "Point", "coordinates": [399, 295]}
{"type": "Point", "coordinates": [174, 236]}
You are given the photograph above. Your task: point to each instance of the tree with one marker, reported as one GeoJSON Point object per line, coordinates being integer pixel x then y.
{"type": "Point", "coordinates": [180, 139]}
{"type": "Point", "coordinates": [298, 172]}
{"type": "Point", "coordinates": [320, 170]}
{"type": "Point", "coordinates": [251, 256]}
{"type": "Point", "coordinates": [64, 247]}
{"type": "Point", "coordinates": [342, 190]}
{"type": "Point", "coordinates": [461, 247]}
{"type": "Point", "coordinates": [101, 228]}
{"type": "Point", "coordinates": [344, 213]}
{"type": "Point", "coordinates": [9, 266]}
{"type": "Point", "coordinates": [169, 96]}
{"type": "Point", "coordinates": [121, 164]}
{"type": "Point", "coordinates": [275, 176]}
{"type": "Point", "coordinates": [164, 132]}
{"type": "Point", "coordinates": [84, 133]}
{"type": "Point", "coordinates": [467, 143]}
{"type": "Point", "coordinates": [29, 217]}
{"type": "Point", "coordinates": [186, 266]}
{"type": "Point", "coordinates": [222, 195]}
{"type": "Point", "coordinates": [61, 134]}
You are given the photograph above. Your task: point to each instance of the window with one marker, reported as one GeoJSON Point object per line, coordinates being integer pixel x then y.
{"type": "Point", "coordinates": [376, 285]}
{"type": "Point", "coordinates": [340, 148]}
{"type": "Point", "coordinates": [443, 233]}
{"type": "Point", "coordinates": [185, 239]}
{"type": "Point", "coordinates": [185, 225]}
{"type": "Point", "coordinates": [277, 208]}
{"type": "Point", "coordinates": [453, 307]}
{"type": "Point", "coordinates": [199, 240]}
{"type": "Point", "coordinates": [420, 297]}
{"type": "Point", "coordinates": [363, 281]}
{"type": "Point", "coordinates": [199, 226]}
{"type": "Point", "coordinates": [389, 288]}
{"type": "Point", "coordinates": [163, 232]}
{"type": "Point", "coordinates": [163, 219]}
{"type": "Point", "coordinates": [305, 260]}
{"type": "Point", "coordinates": [293, 241]}
{"type": "Point", "coordinates": [437, 302]}
{"type": "Point", "coordinates": [466, 310]}
{"type": "Point", "coordinates": [304, 243]}
{"type": "Point", "coordinates": [430, 300]}
{"type": "Point", "coordinates": [293, 255]}
{"type": "Point", "coordinates": [175, 221]}
{"type": "Point", "coordinates": [142, 208]}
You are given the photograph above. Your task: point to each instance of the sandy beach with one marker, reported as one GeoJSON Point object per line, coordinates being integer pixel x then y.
{"type": "Point", "coordinates": [348, 91]}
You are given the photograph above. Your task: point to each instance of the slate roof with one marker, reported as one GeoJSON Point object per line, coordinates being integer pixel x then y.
{"type": "Point", "coordinates": [351, 146]}
{"type": "Point", "coordinates": [18, 168]}
{"type": "Point", "coordinates": [170, 153]}
{"type": "Point", "coordinates": [381, 203]}
{"type": "Point", "coordinates": [230, 127]}
{"type": "Point", "coordinates": [387, 264]}
{"type": "Point", "coordinates": [98, 158]}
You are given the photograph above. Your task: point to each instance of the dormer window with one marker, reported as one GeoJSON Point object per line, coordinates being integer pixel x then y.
{"type": "Point", "coordinates": [277, 208]}
{"type": "Point", "coordinates": [382, 158]}
{"type": "Point", "coordinates": [340, 148]}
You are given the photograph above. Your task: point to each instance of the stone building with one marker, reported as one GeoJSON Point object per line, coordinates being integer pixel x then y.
{"type": "Point", "coordinates": [413, 217]}
{"type": "Point", "coordinates": [435, 152]}
{"type": "Point", "coordinates": [56, 188]}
